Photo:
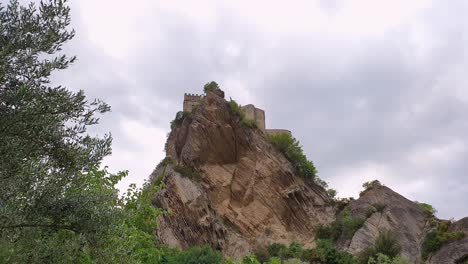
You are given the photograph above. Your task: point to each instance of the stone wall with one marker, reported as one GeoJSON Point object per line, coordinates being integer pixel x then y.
{"type": "Point", "coordinates": [274, 132]}
{"type": "Point", "coordinates": [251, 112]}
{"type": "Point", "coordinates": [257, 114]}
{"type": "Point", "coordinates": [190, 101]}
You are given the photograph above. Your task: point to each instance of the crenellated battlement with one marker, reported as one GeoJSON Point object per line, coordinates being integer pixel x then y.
{"type": "Point", "coordinates": [251, 112]}
{"type": "Point", "coordinates": [190, 101]}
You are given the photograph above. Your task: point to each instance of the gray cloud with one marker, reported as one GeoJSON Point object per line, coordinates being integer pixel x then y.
{"type": "Point", "coordinates": [391, 106]}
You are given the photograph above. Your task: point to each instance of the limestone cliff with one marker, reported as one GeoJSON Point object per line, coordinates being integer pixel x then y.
{"type": "Point", "coordinates": [227, 186]}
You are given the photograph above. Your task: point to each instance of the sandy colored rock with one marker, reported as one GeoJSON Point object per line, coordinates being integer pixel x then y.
{"type": "Point", "coordinates": [247, 195]}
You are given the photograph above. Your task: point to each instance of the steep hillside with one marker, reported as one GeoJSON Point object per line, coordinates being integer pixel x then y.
{"type": "Point", "coordinates": [227, 186]}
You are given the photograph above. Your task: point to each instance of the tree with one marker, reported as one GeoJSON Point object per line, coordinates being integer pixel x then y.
{"type": "Point", "coordinates": [211, 86]}
{"type": "Point", "coordinates": [52, 194]}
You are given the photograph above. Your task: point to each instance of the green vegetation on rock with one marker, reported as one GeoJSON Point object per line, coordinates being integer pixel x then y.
{"type": "Point", "coordinates": [292, 149]}
{"type": "Point", "coordinates": [386, 244]}
{"type": "Point", "coordinates": [429, 209]}
{"type": "Point", "coordinates": [237, 110]}
{"type": "Point", "coordinates": [438, 237]}
{"type": "Point", "coordinates": [343, 227]}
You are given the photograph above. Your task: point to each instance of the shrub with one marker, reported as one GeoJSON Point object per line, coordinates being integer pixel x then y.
{"type": "Point", "coordinates": [386, 244]}
{"type": "Point", "coordinates": [278, 250]}
{"type": "Point", "coordinates": [249, 123]}
{"type": "Point", "coordinates": [331, 193]}
{"type": "Point", "coordinates": [434, 240]}
{"type": "Point", "coordinates": [197, 255]}
{"type": "Point", "coordinates": [187, 171]}
{"type": "Point", "coordinates": [211, 86]}
{"type": "Point", "coordinates": [237, 109]}
{"type": "Point", "coordinates": [344, 226]}
{"type": "Point", "coordinates": [295, 250]}
{"type": "Point", "coordinates": [371, 184]}
{"type": "Point", "coordinates": [291, 148]}
{"type": "Point", "coordinates": [180, 116]}
{"type": "Point", "coordinates": [326, 253]}
{"type": "Point", "coordinates": [250, 259]}
{"type": "Point", "coordinates": [383, 259]}
{"type": "Point", "coordinates": [428, 209]}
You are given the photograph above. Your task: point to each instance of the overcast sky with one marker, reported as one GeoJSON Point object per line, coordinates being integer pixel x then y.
{"type": "Point", "coordinates": [372, 89]}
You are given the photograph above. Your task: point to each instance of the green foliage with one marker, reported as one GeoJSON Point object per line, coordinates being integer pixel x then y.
{"type": "Point", "coordinates": [435, 239]}
{"type": "Point", "coordinates": [250, 259]}
{"type": "Point", "coordinates": [344, 226]}
{"type": "Point", "coordinates": [332, 193]}
{"type": "Point", "coordinates": [187, 171]}
{"type": "Point", "coordinates": [384, 259]}
{"type": "Point", "coordinates": [46, 154]}
{"type": "Point", "coordinates": [385, 244]}
{"type": "Point", "coordinates": [211, 86]}
{"type": "Point", "coordinates": [56, 205]}
{"type": "Point", "coordinates": [180, 116]}
{"type": "Point", "coordinates": [237, 109]}
{"type": "Point", "coordinates": [326, 253]}
{"type": "Point", "coordinates": [371, 184]}
{"type": "Point", "coordinates": [292, 149]}
{"type": "Point", "coordinates": [194, 255]}
{"type": "Point", "coordinates": [249, 123]}
{"type": "Point", "coordinates": [429, 209]}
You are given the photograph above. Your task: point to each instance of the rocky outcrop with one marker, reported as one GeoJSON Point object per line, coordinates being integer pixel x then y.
{"type": "Point", "coordinates": [247, 195]}
{"type": "Point", "coordinates": [227, 186]}
{"type": "Point", "coordinates": [456, 251]}
{"type": "Point", "coordinates": [387, 211]}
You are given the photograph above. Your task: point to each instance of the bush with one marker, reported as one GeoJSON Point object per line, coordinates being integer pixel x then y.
{"type": "Point", "coordinates": [249, 123]}
{"type": "Point", "coordinates": [180, 116]}
{"type": "Point", "coordinates": [278, 250]}
{"type": "Point", "coordinates": [383, 259]}
{"type": "Point", "coordinates": [429, 209]}
{"type": "Point", "coordinates": [187, 172]}
{"type": "Point", "coordinates": [250, 259]}
{"type": "Point", "coordinates": [291, 148]}
{"type": "Point", "coordinates": [434, 240]}
{"type": "Point", "coordinates": [386, 244]}
{"type": "Point", "coordinates": [371, 184]}
{"type": "Point", "coordinates": [326, 253]}
{"type": "Point", "coordinates": [237, 110]}
{"type": "Point", "coordinates": [211, 86]}
{"type": "Point", "coordinates": [197, 255]}
{"type": "Point", "coordinates": [344, 226]}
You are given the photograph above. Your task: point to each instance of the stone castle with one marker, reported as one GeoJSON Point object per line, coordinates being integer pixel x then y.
{"type": "Point", "coordinates": [251, 112]}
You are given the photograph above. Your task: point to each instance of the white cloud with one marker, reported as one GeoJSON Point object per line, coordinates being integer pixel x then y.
{"type": "Point", "coordinates": [143, 150]}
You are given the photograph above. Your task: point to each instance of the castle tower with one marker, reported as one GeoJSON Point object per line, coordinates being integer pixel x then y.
{"type": "Point", "coordinates": [257, 114]}
{"type": "Point", "coordinates": [190, 101]}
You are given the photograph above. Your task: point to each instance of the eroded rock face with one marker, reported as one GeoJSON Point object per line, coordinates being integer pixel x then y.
{"type": "Point", "coordinates": [247, 195]}
{"type": "Point", "coordinates": [455, 251]}
{"type": "Point", "coordinates": [387, 211]}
